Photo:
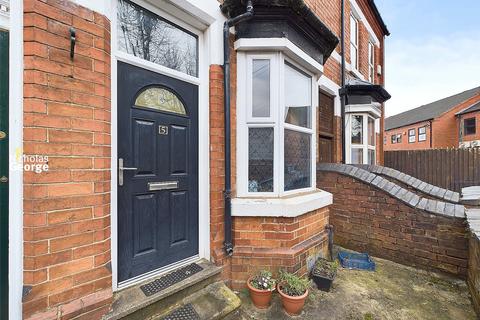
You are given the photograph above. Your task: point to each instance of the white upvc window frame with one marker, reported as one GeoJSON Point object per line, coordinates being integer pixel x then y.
{"type": "Point", "coordinates": [371, 62]}
{"type": "Point", "coordinates": [354, 60]}
{"type": "Point", "coordinates": [245, 120]}
{"type": "Point", "coordinates": [412, 137]}
{"type": "Point", "coordinates": [365, 146]}
{"type": "Point", "coordinates": [422, 136]}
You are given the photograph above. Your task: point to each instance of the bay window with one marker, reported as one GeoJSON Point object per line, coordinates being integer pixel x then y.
{"type": "Point", "coordinates": [361, 132]}
{"type": "Point", "coordinates": [275, 127]}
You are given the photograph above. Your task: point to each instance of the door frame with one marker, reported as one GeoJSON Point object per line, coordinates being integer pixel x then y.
{"type": "Point", "coordinates": [14, 24]}
{"type": "Point", "coordinates": [203, 137]}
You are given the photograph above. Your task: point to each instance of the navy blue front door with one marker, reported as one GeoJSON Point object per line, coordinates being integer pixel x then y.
{"type": "Point", "coordinates": [158, 185]}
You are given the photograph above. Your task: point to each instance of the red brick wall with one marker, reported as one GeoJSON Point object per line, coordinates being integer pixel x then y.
{"type": "Point", "coordinates": [473, 271]}
{"type": "Point", "coordinates": [67, 118]}
{"type": "Point", "coordinates": [405, 145]}
{"type": "Point", "coordinates": [277, 243]}
{"type": "Point", "coordinates": [475, 136]}
{"type": "Point", "coordinates": [370, 220]}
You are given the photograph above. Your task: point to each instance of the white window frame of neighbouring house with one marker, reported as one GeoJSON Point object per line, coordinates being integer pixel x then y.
{"type": "Point", "coordinates": [411, 135]}
{"type": "Point", "coordinates": [422, 134]}
{"type": "Point", "coordinates": [367, 144]}
{"type": "Point", "coordinates": [281, 69]}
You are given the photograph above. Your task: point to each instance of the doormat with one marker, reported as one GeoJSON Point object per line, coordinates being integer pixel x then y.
{"type": "Point", "coordinates": [170, 279]}
{"type": "Point", "coordinates": [187, 312]}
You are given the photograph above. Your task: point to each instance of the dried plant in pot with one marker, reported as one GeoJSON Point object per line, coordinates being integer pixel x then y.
{"type": "Point", "coordinates": [323, 273]}
{"type": "Point", "coordinates": [260, 287]}
{"type": "Point", "coordinates": [293, 291]}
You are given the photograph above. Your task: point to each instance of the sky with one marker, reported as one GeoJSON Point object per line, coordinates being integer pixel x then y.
{"type": "Point", "coordinates": [433, 50]}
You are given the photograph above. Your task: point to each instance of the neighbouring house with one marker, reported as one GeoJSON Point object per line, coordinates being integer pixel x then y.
{"type": "Point", "coordinates": [451, 122]}
{"type": "Point", "coordinates": [139, 144]}
{"type": "Point", "coordinates": [468, 121]}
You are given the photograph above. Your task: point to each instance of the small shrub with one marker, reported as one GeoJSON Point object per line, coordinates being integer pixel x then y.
{"type": "Point", "coordinates": [325, 268]}
{"type": "Point", "coordinates": [263, 281]}
{"type": "Point", "coordinates": [293, 285]}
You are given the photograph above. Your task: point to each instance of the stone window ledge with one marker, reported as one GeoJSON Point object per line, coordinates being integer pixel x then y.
{"type": "Point", "coordinates": [288, 206]}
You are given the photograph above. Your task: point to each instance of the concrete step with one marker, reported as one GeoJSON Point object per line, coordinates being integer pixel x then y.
{"type": "Point", "coordinates": [215, 301]}
{"type": "Point", "coordinates": [132, 304]}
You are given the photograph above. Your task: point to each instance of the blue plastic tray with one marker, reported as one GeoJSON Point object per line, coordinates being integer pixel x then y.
{"type": "Point", "coordinates": [359, 261]}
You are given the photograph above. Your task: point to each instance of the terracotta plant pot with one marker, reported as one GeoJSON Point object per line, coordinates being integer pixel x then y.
{"type": "Point", "coordinates": [292, 305]}
{"type": "Point", "coordinates": [260, 298]}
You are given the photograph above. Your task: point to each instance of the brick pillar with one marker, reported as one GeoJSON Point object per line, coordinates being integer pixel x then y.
{"type": "Point", "coordinates": [67, 269]}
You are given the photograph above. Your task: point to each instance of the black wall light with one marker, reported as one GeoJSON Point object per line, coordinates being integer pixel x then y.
{"type": "Point", "coordinates": [73, 39]}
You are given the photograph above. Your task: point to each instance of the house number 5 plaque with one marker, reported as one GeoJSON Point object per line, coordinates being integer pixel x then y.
{"type": "Point", "coordinates": [163, 130]}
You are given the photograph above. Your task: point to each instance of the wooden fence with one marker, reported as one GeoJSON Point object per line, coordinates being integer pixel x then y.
{"type": "Point", "coordinates": [448, 168]}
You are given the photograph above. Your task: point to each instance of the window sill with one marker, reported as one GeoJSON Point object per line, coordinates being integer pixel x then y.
{"type": "Point", "coordinates": [288, 206]}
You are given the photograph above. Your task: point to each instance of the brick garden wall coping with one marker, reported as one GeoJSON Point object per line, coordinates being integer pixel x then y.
{"type": "Point", "coordinates": [406, 196]}
{"type": "Point", "coordinates": [372, 214]}
{"type": "Point", "coordinates": [417, 184]}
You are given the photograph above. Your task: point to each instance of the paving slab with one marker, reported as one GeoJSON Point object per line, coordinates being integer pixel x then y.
{"type": "Point", "coordinates": [393, 292]}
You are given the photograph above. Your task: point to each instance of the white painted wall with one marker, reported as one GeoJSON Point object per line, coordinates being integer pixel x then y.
{"type": "Point", "coordinates": [15, 254]}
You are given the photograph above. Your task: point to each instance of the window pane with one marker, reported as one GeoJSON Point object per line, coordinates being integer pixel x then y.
{"type": "Point", "coordinates": [469, 126]}
{"type": "Point", "coordinates": [371, 156]}
{"type": "Point", "coordinates": [160, 99]}
{"type": "Point", "coordinates": [422, 137]}
{"type": "Point", "coordinates": [261, 88]}
{"type": "Point", "coordinates": [147, 36]}
{"type": "Point", "coordinates": [353, 56]}
{"type": "Point", "coordinates": [260, 160]}
{"type": "Point", "coordinates": [357, 156]}
{"type": "Point", "coordinates": [298, 97]}
{"type": "Point", "coordinates": [371, 131]}
{"type": "Point", "coordinates": [357, 129]}
{"type": "Point", "coordinates": [353, 30]}
{"type": "Point", "coordinates": [422, 130]}
{"type": "Point", "coordinates": [297, 160]}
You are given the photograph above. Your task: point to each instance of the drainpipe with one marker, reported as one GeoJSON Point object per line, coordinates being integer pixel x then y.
{"type": "Point", "coordinates": [228, 245]}
{"type": "Point", "coordinates": [431, 135]}
{"type": "Point", "coordinates": [329, 229]}
{"type": "Point", "coordinates": [342, 97]}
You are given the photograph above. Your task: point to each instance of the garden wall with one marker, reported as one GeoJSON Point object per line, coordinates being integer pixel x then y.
{"type": "Point", "coordinates": [374, 215]}
{"type": "Point", "coordinates": [473, 218]}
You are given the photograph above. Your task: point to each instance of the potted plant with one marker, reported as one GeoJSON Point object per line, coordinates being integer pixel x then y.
{"type": "Point", "coordinates": [323, 273]}
{"type": "Point", "coordinates": [260, 287]}
{"type": "Point", "coordinates": [293, 291]}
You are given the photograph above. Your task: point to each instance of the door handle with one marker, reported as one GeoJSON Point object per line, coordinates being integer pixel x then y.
{"type": "Point", "coordinates": [121, 168]}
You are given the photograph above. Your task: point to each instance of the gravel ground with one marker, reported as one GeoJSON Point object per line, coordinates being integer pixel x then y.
{"type": "Point", "coordinates": [393, 291]}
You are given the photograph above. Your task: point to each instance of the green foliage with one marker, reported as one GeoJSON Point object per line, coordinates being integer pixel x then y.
{"type": "Point", "coordinates": [325, 268]}
{"type": "Point", "coordinates": [293, 285]}
{"type": "Point", "coordinates": [263, 280]}
{"type": "Point", "coordinates": [368, 316]}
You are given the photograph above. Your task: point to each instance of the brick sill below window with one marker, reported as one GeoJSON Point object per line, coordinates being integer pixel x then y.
{"type": "Point", "coordinates": [288, 206]}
